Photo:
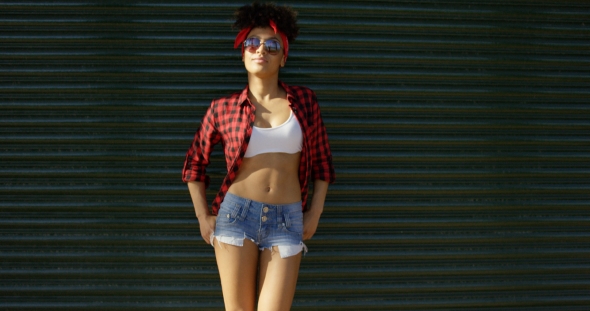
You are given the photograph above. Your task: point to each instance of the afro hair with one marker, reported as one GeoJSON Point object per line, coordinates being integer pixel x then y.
{"type": "Point", "coordinates": [259, 15]}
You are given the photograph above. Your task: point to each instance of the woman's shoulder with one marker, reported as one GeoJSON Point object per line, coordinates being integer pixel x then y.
{"type": "Point", "coordinates": [296, 90]}
{"type": "Point", "coordinates": [302, 96]}
{"type": "Point", "coordinates": [232, 98]}
{"type": "Point", "coordinates": [229, 102]}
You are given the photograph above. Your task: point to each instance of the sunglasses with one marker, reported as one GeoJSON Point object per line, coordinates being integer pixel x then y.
{"type": "Point", "coordinates": [273, 46]}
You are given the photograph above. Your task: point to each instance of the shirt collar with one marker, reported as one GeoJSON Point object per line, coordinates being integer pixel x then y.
{"type": "Point", "coordinates": [287, 89]}
{"type": "Point", "coordinates": [243, 98]}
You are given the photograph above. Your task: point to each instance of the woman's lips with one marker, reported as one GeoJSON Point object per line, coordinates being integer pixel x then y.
{"type": "Point", "coordinates": [259, 60]}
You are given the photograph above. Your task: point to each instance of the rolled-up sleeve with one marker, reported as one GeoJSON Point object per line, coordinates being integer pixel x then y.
{"type": "Point", "coordinates": [198, 155]}
{"type": "Point", "coordinates": [322, 166]}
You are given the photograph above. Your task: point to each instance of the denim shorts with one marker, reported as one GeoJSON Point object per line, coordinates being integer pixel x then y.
{"type": "Point", "coordinates": [266, 225]}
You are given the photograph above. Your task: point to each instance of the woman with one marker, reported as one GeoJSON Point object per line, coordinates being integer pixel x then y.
{"type": "Point", "coordinates": [274, 142]}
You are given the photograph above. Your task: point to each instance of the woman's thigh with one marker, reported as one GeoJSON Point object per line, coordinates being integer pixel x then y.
{"type": "Point", "coordinates": [237, 269]}
{"type": "Point", "coordinates": [278, 279]}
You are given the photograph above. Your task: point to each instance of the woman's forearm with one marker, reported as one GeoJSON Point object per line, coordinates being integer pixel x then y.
{"type": "Point", "coordinates": [197, 192]}
{"type": "Point", "coordinates": [311, 217]}
{"type": "Point", "coordinates": [320, 189]}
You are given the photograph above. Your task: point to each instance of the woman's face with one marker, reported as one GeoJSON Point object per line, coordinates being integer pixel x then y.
{"type": "Point", "coordinates": [259, 61]}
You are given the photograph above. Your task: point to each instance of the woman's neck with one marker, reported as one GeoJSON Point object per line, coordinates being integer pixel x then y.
{"type": "Point", "coordinates": [264, 90]}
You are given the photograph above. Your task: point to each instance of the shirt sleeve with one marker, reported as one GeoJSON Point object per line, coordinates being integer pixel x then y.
{"type": "Point", "coordinates": [322, 166]}
{"type": "Point", "coordinates": [199, 153]}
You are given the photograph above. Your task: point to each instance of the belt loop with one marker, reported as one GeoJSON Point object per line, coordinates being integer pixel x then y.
{"type": "Point", "coordinates": [246, 207]}
{"type": "Point", "coordinates": [279, 214]}
{"type": "Point", "coordinates": [287, 220]}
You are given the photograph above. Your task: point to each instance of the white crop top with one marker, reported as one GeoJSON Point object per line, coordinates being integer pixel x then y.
{"type": "Point", "coordinates": [286, 138]}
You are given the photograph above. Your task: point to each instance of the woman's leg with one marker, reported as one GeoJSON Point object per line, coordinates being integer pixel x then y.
{"type": "Point", "coordinates": [278, 279]}
{"type": "Point", "coordinates": [237, 268]}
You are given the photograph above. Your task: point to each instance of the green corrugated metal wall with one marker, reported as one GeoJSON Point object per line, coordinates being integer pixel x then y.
{"type": "Point", "coordinates": [460, 132]}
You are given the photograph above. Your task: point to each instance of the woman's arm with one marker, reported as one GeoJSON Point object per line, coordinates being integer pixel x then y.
{"type": "Point", "coordinates": [206, 220]}
{"type": "Point", "coordinates": [199, 153]}
{"type": "Point", "coordinates": [311, 217]}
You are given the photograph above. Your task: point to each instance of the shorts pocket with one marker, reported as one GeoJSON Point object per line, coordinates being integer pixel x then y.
{"type": "Point", "coordinates": [231, 212]}
{"type": "Point", "coordinates": [293, 221]}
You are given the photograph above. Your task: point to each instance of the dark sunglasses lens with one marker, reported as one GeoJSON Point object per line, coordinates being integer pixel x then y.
{"type": "Point", "coordinates": [272, 46]}
{"type": "Point", "coordinates": [252, 42]}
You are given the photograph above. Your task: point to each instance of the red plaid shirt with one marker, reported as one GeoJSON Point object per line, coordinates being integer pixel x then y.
{"type": "Point", "coordinates": [229, 120]}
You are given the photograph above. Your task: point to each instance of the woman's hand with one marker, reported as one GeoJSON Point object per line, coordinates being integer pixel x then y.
{"type": "Point", "coordinates": [206, 220]}
{"type": "Point", "coordinates": [310, 225]}
{"type": "Point", "coordinates": [311, 217]}
{"type": "Point", "coordinates": [207, 226]}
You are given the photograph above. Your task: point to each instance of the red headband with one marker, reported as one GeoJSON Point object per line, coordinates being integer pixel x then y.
{"type": "Point", "coordinates": [241, 37]}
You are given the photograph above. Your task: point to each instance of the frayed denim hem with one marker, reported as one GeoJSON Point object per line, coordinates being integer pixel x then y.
{"type": "Point", "coordinates": [228, 240]}
{"type": "Point", "coordinates": [285, 251]}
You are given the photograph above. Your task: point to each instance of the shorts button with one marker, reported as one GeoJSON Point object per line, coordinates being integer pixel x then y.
{"type": "Point", "coordinates": [227, 215]}
{"type": "Point", "coordinates": [265, 209]}
{"type": "Point", "coordinates": [264, 218]}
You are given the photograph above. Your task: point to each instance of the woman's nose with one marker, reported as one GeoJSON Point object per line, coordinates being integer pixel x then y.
{"type": "Point", "coordinates": [262, 48]}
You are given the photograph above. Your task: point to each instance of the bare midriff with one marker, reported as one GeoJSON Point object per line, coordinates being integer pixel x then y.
{"type": "Point", "coordinates": [270, 178]}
